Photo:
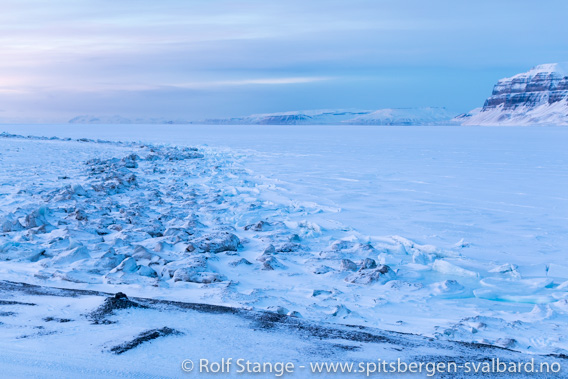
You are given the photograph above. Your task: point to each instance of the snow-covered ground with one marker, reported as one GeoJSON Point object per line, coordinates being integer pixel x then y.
{"type": "Point", "coordinates": [457, 233]}
{"type": "Point", "coordinates": [69, 333]}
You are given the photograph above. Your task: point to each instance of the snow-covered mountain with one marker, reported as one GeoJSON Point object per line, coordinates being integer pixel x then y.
{"type": "Point", "coordinates": [325, 116]}
{"type": "Point", "coordinates": [389, 116]}
{"type": "Point", "coordinates": [536, 97]}
{"type": "Point", "coordinates": [403, 116]}
{"type": "Point", "coordinates": [116, 119]}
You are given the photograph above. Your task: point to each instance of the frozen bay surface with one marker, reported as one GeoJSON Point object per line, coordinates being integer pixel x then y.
{"type": "Point", "coordinates": [504, 191]}
{"type": "Point", "coordinates": [473, 222]}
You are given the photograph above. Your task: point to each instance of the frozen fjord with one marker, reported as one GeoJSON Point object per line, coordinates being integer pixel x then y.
{"type": "Point", "coordinates": [481, 213]}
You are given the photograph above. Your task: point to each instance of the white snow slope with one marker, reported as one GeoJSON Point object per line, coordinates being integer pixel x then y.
{"type": "Point", "coordinates": [453, 233]}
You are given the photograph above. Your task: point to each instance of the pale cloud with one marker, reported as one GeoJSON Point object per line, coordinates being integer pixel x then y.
{"type": "Point", "coordinates": [245, 82]}
{"type": "Point", "coordinates": [25, 86]}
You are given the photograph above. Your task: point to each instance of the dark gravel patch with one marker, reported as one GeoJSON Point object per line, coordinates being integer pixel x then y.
{"type": "Point", "coordinates": [143, 337]}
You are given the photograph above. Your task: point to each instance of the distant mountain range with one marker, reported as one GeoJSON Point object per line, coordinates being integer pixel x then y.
{"type": "Point", "coordinates": [536, 97]}
{"type": "Point", "coordinates": [394, 116]}
{"type": "Point", "coordinates": [87, 119]}
{"type": "Point", "coordinates": [390, 116]}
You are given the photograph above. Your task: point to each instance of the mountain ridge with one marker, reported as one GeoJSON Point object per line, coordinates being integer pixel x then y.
{"type": "Point", "coordinates": [386, 116]}
{"type": "Point", "coordinates": [538, 96]}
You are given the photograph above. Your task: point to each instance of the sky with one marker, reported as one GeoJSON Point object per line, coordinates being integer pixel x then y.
{"type": "Point", "coordinates": [196, 59]}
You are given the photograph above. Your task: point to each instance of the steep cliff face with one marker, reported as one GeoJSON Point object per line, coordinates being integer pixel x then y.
{"type": "Point", "coordinates": [536, 97]}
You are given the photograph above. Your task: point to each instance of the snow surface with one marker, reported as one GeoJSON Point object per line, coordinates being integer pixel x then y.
{"type": "Point", "coordinates": [450, 232]}
{"type": "Point", "coordinates": [50, 332]}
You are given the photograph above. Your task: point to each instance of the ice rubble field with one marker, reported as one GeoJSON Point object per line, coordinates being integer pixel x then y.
{"type": "Point", "coordinates": [459, 233]}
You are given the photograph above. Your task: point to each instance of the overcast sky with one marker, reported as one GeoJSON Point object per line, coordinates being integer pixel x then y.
{"type": "Point", "coordinates": [216, 58]}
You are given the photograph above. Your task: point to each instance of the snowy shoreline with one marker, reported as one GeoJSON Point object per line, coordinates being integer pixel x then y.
{"type": "Point", "coordinates": [133, 337]}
